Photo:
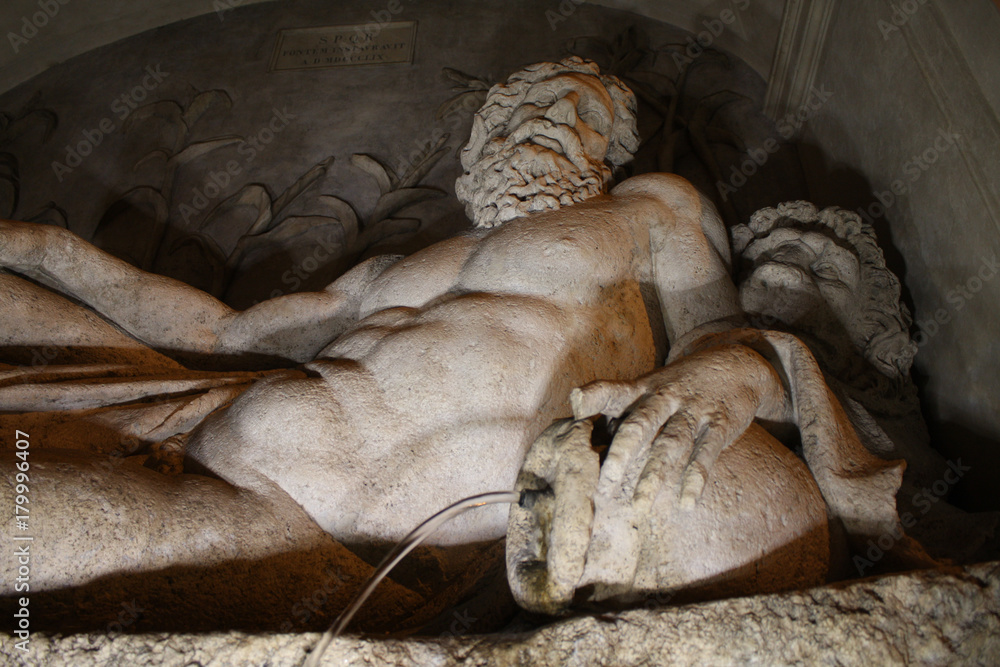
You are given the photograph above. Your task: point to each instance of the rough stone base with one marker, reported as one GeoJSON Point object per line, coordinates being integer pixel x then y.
{"type": "Point", "coordinates": [947, 616]}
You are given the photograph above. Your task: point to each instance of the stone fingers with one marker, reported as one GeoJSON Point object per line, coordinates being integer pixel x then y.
{"type": "Point", "coordinates": [630, 446]}
{"type": "Point", "coordinates": [604, 397]}
{"type": "Point", "coordinates": [671, 446]}
{"type": "Point", "coordinates": [716, 436]}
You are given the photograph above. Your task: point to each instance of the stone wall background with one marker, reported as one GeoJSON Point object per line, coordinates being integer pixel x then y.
{"type": "Point", "coordinates": [82, 25]}
{"type": "Point", "coordinates": [178, 151]}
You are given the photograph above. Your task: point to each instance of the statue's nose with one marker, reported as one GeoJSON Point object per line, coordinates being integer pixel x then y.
{"type": "Point", "coordinates": [780, 274]}
{"type": "Point", "coordinates": [563, 112]}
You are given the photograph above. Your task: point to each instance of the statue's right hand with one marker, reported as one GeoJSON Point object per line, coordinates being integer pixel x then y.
{"type": "Point", "coordinates": [678, 419]}
{"type": "Point", "coordinates": [673, 425]}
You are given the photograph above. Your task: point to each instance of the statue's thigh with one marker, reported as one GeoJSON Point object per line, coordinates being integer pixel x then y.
{"type": "Point", "coordinates": [193, 552]}
{"type": "Point", "coordinates": [94, 516]}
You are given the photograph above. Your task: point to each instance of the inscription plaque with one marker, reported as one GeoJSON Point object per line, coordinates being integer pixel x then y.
{"type": "Point", "coordinates": [344, 46]}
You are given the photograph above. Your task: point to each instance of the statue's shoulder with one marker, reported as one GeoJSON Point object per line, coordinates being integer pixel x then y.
{"type": "Point", "coordinates": [670, 189]}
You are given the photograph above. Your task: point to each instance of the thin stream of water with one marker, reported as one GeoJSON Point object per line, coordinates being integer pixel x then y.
{"type": "Point", "coordinates": [408, 544]}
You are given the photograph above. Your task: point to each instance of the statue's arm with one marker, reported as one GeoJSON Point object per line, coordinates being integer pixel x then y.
{"type": "Point", "coordinates": [173, 316]}
{"type": "Point", "coordinates": [689, 255]}
{"type": "Point", "coordinates": [680, 417]}
{"type": "Point", "coordinates": [299, 326]}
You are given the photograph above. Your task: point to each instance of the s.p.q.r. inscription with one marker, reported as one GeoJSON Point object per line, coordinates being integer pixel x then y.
{"type": "Point", "coordinates": [344, 46]}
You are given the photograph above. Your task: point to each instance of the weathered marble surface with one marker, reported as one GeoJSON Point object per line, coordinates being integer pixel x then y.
{"type": "Point", "coordinates": [933, 617]}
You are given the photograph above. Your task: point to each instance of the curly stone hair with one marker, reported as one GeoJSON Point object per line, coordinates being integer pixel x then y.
{"type": "Point", "coordinates": [885, 339]}
{"type": "Point", "coordinates": [504, 98]}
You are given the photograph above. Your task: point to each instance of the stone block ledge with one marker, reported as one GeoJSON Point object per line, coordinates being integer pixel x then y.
{"type": "Point", "coordinates": [945, 616]}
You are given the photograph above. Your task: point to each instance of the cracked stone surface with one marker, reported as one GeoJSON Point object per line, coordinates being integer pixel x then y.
{"type": "Point", "coordinates": [946, 616]}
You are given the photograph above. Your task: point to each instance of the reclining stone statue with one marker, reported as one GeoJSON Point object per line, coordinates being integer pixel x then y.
{"type": "Point", "coordinates": [426, 379]}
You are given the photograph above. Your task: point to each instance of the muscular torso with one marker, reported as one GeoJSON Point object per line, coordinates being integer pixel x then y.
{"type": "Point", "coordinates": [463, 354]}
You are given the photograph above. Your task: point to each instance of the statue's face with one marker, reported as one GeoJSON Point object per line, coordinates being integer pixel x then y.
{"type": "Point", "coordinates": [804, 279]}
{"type": "Point", "coordinates": [570, 103]}
{"type": "Point", "coordinates": [549, 154]}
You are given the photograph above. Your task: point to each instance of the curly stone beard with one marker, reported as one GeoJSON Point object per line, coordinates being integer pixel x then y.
{"type": "Point", "coordinates": [539, 167]}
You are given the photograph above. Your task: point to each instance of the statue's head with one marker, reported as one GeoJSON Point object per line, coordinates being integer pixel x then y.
{"type": "Point", "coordinates": [548, 137]}
{"type": "Point", "coordinates": [822, 273]}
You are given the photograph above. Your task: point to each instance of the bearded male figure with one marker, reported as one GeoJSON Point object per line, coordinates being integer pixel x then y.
{"type": "Point", "coordinates": [426, 378]}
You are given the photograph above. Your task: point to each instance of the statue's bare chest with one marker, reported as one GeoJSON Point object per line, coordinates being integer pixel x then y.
{"type": "Point", "coordinates": [569, 256]}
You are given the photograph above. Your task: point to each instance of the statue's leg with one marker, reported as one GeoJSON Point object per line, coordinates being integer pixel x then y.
{"type": "Point", "coordinates": [97, 516]}
{"type": "Point", "coordinates": [193, 551]}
